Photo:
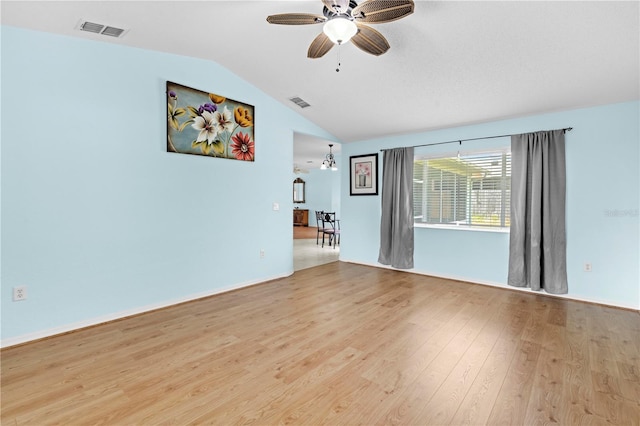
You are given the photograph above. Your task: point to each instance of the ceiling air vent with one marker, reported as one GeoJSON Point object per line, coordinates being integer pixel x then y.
{"type": "Point", "coordinates": [92, 27]}
{"type": "Point", "coordinates": [299, 101]}
{"type": "Point", "coordinates": [112, 31]}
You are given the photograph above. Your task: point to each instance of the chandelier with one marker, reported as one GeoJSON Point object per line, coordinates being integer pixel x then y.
{"type": "Point", "coordinates": [329, 161]}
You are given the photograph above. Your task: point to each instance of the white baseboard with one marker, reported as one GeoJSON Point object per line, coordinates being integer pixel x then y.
{"type": "Point", "coordinates": [500, 285]}
{"type": "Point", "coordinates": [12, 341]}
{"type": "Point", "coordinates": [17, 340]}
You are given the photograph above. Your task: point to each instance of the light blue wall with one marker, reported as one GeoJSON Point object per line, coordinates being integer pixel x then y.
{"type": "Point", "coordinates": [603, 186]}
{"type": "Point", "coordinates": [322, 192]}
{"type": "Point", "coordinates": [97, 218]}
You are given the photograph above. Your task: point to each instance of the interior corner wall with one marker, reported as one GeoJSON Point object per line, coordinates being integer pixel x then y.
{"type": "Point", "coordinates": [98, 220]}
{"type": "Point", "coordinates": [603, 189]}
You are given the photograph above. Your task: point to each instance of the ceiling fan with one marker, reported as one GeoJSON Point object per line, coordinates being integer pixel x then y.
{"type": "Point", "coordinates": [345, 20]}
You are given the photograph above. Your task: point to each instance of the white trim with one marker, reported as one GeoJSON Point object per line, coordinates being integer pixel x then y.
{"type": "Point", "coordinates": [501, 285]}
{"type": "Point", "coordinates": [12, 341]}
{"type": "Point", "coordinates": [17, 340]}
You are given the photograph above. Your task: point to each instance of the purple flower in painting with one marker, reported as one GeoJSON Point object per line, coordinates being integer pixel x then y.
{"type": "Point", "coordinates": [173, 95]}
{"type": "Point", "coordinates": [207, 107]}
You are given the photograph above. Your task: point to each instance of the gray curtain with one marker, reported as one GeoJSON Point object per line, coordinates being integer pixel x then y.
{"type": "Point", "coordinates": [396, 223]}
{"type": "Point", "coordinates": [537, 245]}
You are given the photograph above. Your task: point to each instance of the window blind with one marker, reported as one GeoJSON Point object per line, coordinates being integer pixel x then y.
{"type": "Point", "coordinates": [471, 189]}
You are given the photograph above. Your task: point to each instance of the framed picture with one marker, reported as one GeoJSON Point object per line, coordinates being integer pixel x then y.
{"type": "Point", "coordinates": [363, 174]}
{"type": "Point", "coordinates": [204, 123]}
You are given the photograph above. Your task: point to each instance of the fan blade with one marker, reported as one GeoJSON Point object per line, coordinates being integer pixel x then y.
{"type": "Point", "coordinates": [370, 40]}
{"type": "Point", "coordinates": [319, 46]}
{"type": "Point", "coordinates": [337, 6]}
{"type": "Point", "coordinates": [377, 11]}
{"type": "Point", "coordinates": [295, 19]}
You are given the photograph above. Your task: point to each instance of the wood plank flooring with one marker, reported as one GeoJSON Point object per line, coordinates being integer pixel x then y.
{"type": "Point", "coordinates": [305, 232]}
{"type": "Point", "coordinates": [339, 344]}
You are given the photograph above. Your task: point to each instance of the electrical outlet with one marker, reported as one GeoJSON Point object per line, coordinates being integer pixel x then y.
{"type": "Point", "coordinates": [587, 267]}
{"type": "Point", "coordinates": [261, 253]}
{"type": "Point", "coordinates": [19, 293]}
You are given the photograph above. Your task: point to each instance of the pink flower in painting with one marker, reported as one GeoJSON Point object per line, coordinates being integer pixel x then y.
{"type": "Point", "coordinates": [243, 147]}
{"type": "Point", "coordinates": [363, 169]}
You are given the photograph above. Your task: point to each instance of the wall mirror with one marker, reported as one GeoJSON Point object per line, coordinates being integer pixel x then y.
{"type": "Point", "coordinates": [298, 191]}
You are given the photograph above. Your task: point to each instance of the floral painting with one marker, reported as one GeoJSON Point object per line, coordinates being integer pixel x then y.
{"type": "Point", "coordinates": [364, 174]}
{"type": "Point", "coordinates": [204, 123]}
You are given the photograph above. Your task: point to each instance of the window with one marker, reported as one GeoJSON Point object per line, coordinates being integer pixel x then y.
{"type": "Point", "coordinates": [470, 190]}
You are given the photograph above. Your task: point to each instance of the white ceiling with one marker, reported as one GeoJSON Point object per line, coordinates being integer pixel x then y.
{"type": "Point", "coordinates": [451, 63]}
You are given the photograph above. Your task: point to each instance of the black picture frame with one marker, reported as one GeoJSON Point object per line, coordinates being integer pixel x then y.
{"type": "Point", "coordinates": [363, 174]}
{"type": "Point", "coordinates": [190, 116]}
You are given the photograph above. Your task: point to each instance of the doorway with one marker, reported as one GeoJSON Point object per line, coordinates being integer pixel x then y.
{"type": "Point", "coordinates": [322, 193]}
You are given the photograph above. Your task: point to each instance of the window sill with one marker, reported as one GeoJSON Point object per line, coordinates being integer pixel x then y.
{"type": "Point", "coordinates": [463, 228]}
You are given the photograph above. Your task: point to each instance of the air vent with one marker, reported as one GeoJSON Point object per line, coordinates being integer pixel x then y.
{"type": "Point", "coordinates": [300, 102]}
{"type": "Point", "coordinates": [92, 27]}
{"type": "Point", "coordinates": [112, 31]}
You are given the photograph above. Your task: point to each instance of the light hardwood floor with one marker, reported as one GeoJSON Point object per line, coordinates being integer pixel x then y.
{"type": "Point", "coordinates": [339, 344]}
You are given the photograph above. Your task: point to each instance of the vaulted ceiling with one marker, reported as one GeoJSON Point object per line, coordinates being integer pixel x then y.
{"type": "Point", "coordinates": [451, 63]}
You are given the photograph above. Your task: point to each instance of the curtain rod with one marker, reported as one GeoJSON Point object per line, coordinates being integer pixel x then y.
{"type": "Point", "coordinates": [566, 129]}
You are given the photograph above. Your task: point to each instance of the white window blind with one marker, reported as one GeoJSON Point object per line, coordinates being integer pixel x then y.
{"type": "Point", "coordinates": [472, 189]}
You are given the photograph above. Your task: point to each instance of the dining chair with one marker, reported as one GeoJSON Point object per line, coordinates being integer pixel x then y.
{"type": "Point", "coordinates": [319, 226]}
{"type": "Point", "coordinates": [331, 227]}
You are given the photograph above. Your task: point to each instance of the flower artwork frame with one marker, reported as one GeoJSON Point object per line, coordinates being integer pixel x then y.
{"type": "Point", "coordinates": [363, 174]}
{"type": "Point", "coordinates": [204, 123]}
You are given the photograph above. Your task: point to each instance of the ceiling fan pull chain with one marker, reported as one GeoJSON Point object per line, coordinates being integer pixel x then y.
{"type": "Point", "coordinates": [338, 68]}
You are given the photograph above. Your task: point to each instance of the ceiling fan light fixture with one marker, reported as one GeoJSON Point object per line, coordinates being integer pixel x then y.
{"type": "Point", "coordinates": [340, 29]}
{"type": "Point", "coordinates": [344, 21]}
